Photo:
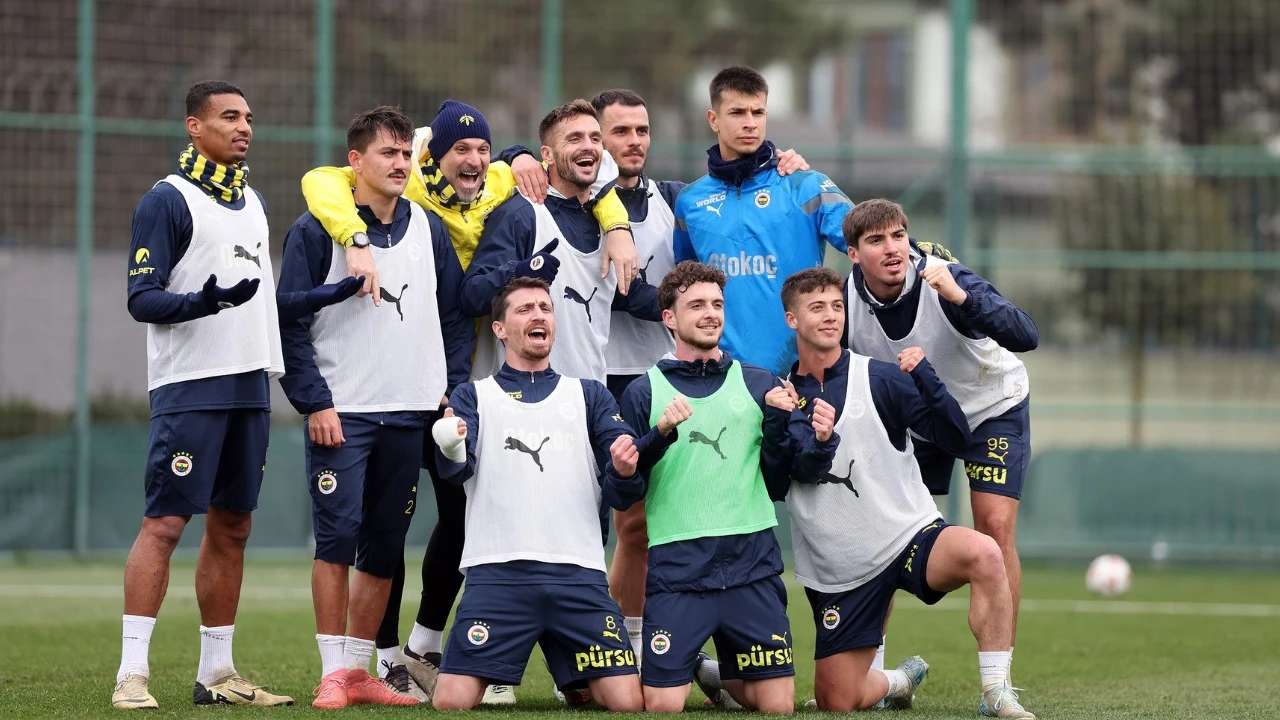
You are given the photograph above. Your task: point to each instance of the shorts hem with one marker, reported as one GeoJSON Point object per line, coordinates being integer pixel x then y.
{"type": "Point", "coordinates": [856, 643]}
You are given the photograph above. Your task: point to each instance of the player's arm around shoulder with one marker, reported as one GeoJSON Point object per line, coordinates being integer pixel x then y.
{"type": "Point", "coordinates": [824, 203]}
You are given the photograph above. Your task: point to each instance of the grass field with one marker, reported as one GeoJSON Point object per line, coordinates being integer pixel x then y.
{"type": "Point", "coordinates": [1181, 644]}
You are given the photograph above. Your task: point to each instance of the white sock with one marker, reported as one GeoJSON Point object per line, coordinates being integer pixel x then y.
{"type": "Point", "coordinates": [356, 653]}
{"type": "Point", "coordinates": [330, 653]}
{"type": "Point", "coordinates": [635, 633]}
{"type": "Point", "coordinates": [423, 640]}
{"type": "Point", "coordinates": [994, 669]}
{"type": "Point", "coordinates": [1008, 675]}
{"type": "Point", "coordinates": [899, 683]}
{"type": "Point", "coordinates": [215, 654]}
{"type": "Point", "coordinates": [389, 658]}
{"type": "Point", "coordinates": [136, 640]}
{"type": "Point", "coordinates": [711, 673]}
{"type": "Point", "coordinates": [878, 662]}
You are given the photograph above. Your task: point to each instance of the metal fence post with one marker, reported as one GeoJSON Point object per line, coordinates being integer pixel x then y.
{"type": "Point", "coordinates": [551, 26]}
{"type": "Point", "coordinates": [84, 256]}
{"type": "Point", "coordinates": [324, 82]}
{"type": "Point", "coordinates": [958, 153]}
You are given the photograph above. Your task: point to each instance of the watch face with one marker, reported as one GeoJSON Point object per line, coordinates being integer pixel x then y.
{"type": "Point", "coordinates": [360, 240]}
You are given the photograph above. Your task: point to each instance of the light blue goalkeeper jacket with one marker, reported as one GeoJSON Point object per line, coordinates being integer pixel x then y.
{"type": "Point", "coordinates": [759, 228]}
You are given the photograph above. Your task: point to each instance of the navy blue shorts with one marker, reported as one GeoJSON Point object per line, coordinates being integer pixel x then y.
{"type": "Point", "coordinates": [855, 618]}
{"type": "Point", "coordinates": [363, 494]}
{"type": "Point", "coordinates": [749, 625]}
{"type": "Point", "coordinates": [579, 627]}
{"type": "Point", "coordinates": [200, 458]}
{"type": "Point", "coordinates": [995, 462]}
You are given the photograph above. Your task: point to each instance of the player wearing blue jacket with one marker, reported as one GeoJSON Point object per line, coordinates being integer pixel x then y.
{"type": "Point", "coordinates": [899, 296]}
{"type": "Point", "coordinates": [755, 225]}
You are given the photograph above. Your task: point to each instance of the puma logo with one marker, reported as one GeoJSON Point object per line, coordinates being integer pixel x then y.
{"type": "Point", "coordinates": [644, 271]}
{"type": "Point", "coordinates": [613, 634]}
{"type": "Point", "coordinates": [780, 638]}
{"type": "Point", "coordinates": [242, 252]}
{"type": "Point", "coordinates": [695, 436]}
{"type": "Point", "coordinates": [715, 209]}
{"type": "Point", "coordinates": [515, 444]}
{"type": "Point", "coordinates": [384, 295]}
{"type": "Point", "coordinates": [576, 296]}
{"type": "Point", "coordinates": [828, 479]}
{"type": "Point", "coordinates": [1000, 456]}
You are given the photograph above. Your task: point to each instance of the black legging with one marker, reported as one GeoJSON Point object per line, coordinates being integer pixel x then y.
{"type": "Point", "coordinates": [440, 577]}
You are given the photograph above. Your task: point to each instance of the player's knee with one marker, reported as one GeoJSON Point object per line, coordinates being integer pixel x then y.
{"type": "Point", "coordinates": [774, 704]}
{"type": "Point", "coordinates": [997, 526]}
{"type": "Point", "coordinates": [628, 701]}
{"type": "Point", "coordinates": [986, 561]}
{"type": "Point", "coordinates": [838, 699]}
{"type": "Point", "coordinates": [456, 695]}
{"type": "Point", "coordinates": [663, 702]}
{"type": "Point", "coordinates": [164, 531]}
{"type": "Point", "coordinates": [231, 528]}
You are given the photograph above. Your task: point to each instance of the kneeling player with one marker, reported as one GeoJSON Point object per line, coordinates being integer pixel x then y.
{"type": "Point", "coordinates": [866, 526]}
{"type": "Point", "coordinates": [527, 445]}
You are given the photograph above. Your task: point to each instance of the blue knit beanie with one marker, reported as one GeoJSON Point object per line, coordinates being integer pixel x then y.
{"type": "Point", "coordinates": [456, 121]}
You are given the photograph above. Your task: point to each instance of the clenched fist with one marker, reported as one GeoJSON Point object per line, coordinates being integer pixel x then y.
{"type": "Point", "coordinates": [908, 359]}
{"type": "Point", "coordinates": [941, 279]}
{"type": "Point", "coordinates": [823, 419]}
{"type": "Point", "coordinates": [677, 412]}
{"type": "Point", "coordinates": [625, 456]}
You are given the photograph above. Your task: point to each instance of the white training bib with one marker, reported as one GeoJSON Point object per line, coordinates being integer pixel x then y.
{"type": "Point", "coordinates": [534, 495]}
{"type": "Point", "coordinates": [234, 245]}
{"type": "Point", "coordinates": [389, 358]}
{"type": "Point", "coordinates": [853, 524]}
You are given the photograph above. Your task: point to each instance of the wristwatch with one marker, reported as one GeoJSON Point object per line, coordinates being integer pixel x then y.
{"type": "Point", "coordinates": [359, 240]}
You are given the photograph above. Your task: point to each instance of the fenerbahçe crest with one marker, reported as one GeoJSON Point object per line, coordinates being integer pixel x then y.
{"type": "Point", "coordinates": [182, 464]}
{"type": "Point", "coordinates": [660, 642]}
{"type": "Point", "coordinates": [327, 482]}
{"type": "Point", "coordinates": [478, 634]}
{"type": "Point", "coordinates": [831, 617]}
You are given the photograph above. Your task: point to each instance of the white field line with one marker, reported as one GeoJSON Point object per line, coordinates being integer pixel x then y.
{"type": "Point", "coordinates": [1101, 607]}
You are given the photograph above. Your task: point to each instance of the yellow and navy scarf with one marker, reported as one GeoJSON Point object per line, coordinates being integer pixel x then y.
{"type": "Point", "coordinates": [439, 189]}
{"type": "Point", "coordinates": [222, 182]}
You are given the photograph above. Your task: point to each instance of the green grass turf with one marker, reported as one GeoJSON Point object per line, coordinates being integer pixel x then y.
{"type": "Point", "coordinates": [1099, 659]}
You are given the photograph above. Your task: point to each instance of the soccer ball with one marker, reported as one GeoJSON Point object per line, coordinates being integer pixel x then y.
{"type": "Point", "coordinates": [1108, 576]}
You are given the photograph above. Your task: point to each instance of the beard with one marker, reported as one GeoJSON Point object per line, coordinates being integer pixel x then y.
{"type": "Point", "coordinates": [697, 340]}
{"type": "Point", "coordinates": [570, 173]}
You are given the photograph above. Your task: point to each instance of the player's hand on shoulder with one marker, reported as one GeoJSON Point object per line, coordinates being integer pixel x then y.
{"type": "Point", "coordinates": [325, 428]}
{"type": "Point", "coordinates": [940, 278]}
{"type": "Point", "coordinates": [823, 419]}
{"type": "Point", "coordinates": [620, 250]}
{"type": "Point", "coordinates": [625, 455]}
{"type": "Point", "coordinates": [790, 161]}
{"type": "Point", "coordinates": [908, 359]}
{"type": "Point", "coordinates": [531, 178]}
{"type": "Point", "coordinates": [676, 412]}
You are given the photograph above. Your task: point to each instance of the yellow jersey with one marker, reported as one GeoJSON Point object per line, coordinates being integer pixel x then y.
{"type": "Point", "coordinates": [327, 191]}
